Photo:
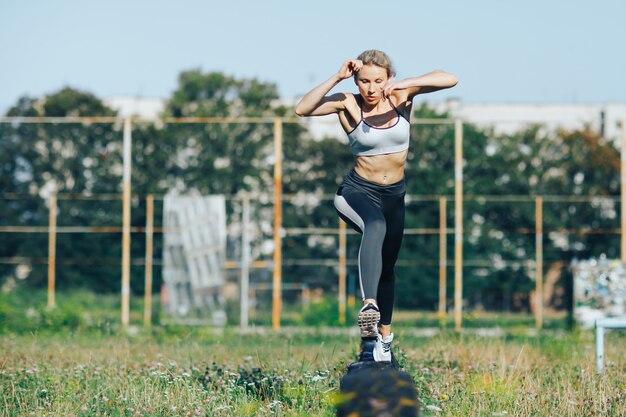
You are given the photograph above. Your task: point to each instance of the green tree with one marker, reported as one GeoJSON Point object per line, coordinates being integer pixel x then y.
{"type": "Point", "coordinates": [232, 158]}
{"type": "Point", "coordinates": [528, 163]}
{"type": "Point", "coordinates": [217, 157]}
{"type": "Point", "coordinates": [68, 158]}
{"type": "Point", "coordinates": [208, 158]}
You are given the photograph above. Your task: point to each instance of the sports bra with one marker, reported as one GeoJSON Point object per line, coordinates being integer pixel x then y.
{"type": "Point", "coordinates": [367, 140]}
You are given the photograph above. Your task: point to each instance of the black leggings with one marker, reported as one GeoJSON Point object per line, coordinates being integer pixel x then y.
{"type": "Point", "coordinates": [377, 212]}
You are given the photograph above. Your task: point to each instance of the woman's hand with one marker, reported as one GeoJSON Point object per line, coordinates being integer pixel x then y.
{"type": "Point", "coordinates": [388, 88]}
{"type": "Point", "coordinates": [349, 68]}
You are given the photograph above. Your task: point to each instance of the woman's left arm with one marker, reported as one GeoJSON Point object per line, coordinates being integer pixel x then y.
{"type": "Point", "coordinates": [427, 83]}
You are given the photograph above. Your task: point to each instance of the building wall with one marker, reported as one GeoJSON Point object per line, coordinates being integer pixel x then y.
{"type": "Point", "coordinates": [149, 108]}
{"type": "Point", "coordinates": [509, 117]}
{"type": "Point", "coordinates": [503, 117]}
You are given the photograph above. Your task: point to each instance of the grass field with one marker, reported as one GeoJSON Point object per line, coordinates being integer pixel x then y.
{"type": "Point", "coordinates": [199, 372]}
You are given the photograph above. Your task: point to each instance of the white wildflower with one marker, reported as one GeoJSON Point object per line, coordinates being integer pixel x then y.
{"type": "Point", "coordinates": [431, 407]}
{"type": "Point", "coordinates": [275, 404]}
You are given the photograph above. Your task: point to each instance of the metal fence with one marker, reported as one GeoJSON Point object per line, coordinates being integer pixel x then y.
{"type": "Point", "coordinates": [442, 231]}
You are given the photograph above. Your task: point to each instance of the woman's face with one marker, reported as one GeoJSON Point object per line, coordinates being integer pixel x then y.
{"type": "Point", "coordinates": [371, 80]}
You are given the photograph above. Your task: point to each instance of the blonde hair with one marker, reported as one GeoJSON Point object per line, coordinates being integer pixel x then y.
{"type": "Point", "coordinates": [378, 58]}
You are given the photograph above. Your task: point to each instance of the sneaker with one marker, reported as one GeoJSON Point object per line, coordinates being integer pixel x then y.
{"type": "Point", "coordinates": [369, 316]}
{"type": "Point", "coordinates": [367, 350]}
{"type": "Point", "coordinates": [382, 351]}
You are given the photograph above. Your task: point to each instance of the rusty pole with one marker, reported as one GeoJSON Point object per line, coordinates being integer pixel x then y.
{"type": "Point", "coordinates": [342, 271]}
{"type": "Point", "coordinates": [623, 189]}
{"type": "Point", "coordinates": [442, 256]}
{"type": "Point", "coordinates": [539, 260]}
{"type": "Point", "coordinates": [278, 218]}
{"type": "Point", "coordinates": [52, 244]}
{"type": "Point", "coordinates": [147, 307]}
{"type": "Point", "coordinates": [458, 224]}
{"type": "Point", "coordinates": [245, 263]}
{"type": "Point", "coordinates": [126, 225]}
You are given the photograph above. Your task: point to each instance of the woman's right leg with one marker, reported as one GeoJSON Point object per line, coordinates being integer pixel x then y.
{"type": "Point", "coordinates": [394, 213]}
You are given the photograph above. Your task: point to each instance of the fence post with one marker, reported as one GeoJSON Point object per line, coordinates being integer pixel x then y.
{"type": "Point", "coordinates": [539, 261]}
{"type": "Point", "coordinates": [599, 348]}
{"type": "Point", "coordinates": [458, 224]}
{"type": "Point", "coordinates": [52, 246]}
{"type": "Point", "coordinates": [147, 306]}
{"type": "Point", "coordinates": [252, 296]}
{"type": "Point", "coordinates": [442, 256]}
{"type": "Point", "coordinates": [342, 271]}
{"type": "Point", "coordinates": [623, 189]}
{"type": "Point", "coordinates": [245, 262]}
{"type": "Point", "coordinates": [126, 224]}
{"type": "Point", "coordinates": [278, 217]}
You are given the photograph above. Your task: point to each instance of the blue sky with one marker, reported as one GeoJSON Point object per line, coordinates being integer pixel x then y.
{"type": "Point", "coordinates": [544, 51]}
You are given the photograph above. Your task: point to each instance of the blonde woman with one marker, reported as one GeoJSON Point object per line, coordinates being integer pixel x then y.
{"type": "Point", "coordinates": [371, 198]}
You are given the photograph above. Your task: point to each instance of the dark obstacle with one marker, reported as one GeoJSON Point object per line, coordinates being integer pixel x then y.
{"type": "Point", "coordinates": [376, 389]}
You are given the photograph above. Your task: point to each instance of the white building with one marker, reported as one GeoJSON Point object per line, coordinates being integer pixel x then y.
{"type": "Point", "coordinates": [510, 117]}
{"type": "Point", "coordinates": [149, 108]}
{"type": "Point", "coordinates": [603, 118]}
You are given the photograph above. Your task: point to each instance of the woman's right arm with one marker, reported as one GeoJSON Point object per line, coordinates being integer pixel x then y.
{"type": "Point", "coordinates": [317, 103]}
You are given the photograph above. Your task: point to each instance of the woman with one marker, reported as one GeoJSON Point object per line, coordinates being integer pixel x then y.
{"type": "Point", "coordinates": [371, 198]}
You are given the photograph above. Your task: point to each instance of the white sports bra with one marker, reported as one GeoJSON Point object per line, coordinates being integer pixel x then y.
{"type": "Point", "coordinates": [367, 140]}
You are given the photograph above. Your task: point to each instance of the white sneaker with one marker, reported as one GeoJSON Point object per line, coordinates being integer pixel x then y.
{"type": "Point", "coordinates": [382, 351]}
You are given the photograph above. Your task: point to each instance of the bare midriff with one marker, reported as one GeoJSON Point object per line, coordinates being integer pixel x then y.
{"type": "Point", "coordinates": [382, 169]}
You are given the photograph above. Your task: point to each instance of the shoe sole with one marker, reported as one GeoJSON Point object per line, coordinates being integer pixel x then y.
{"type": "Point", "coordinates": [368, 323]}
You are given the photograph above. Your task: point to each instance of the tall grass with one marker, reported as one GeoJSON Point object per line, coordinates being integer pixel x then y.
{"type": "Point", "coordinates": [197, 372]}
{"type": "Point", "coordinates": [74, 360]}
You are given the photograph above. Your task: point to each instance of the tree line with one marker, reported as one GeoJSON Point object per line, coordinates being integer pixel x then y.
{"type": "Point", "coordinates": [84, 159]}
